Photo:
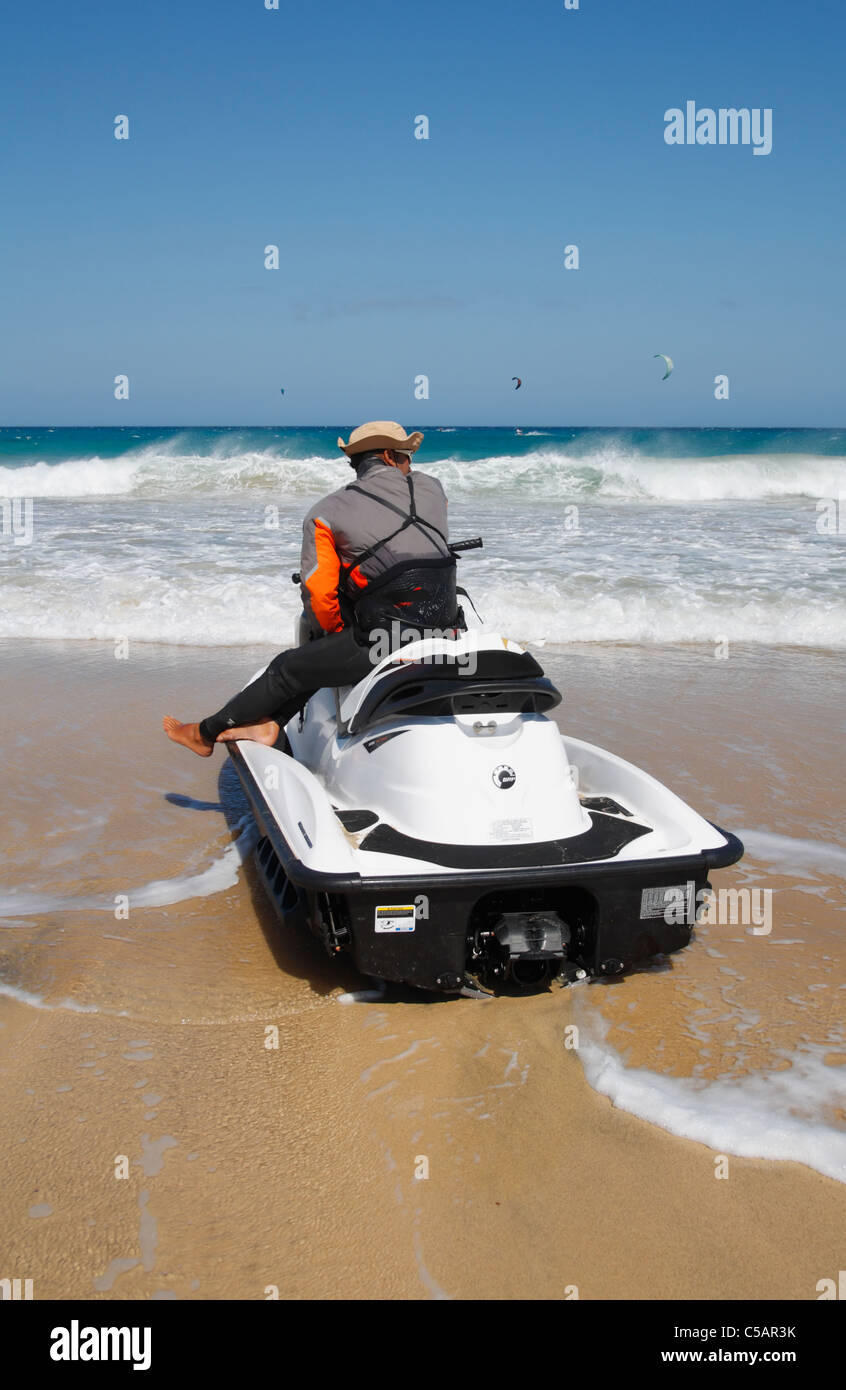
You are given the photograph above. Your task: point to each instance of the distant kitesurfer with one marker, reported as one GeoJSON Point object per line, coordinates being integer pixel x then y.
{"type": "Point", "coordinates": [375, 558]}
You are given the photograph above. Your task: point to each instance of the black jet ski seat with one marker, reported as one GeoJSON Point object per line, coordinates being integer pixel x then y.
{"type": "Point", "coordinates": [495, 682]}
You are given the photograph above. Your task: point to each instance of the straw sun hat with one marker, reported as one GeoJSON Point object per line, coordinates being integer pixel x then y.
{"type": "Point", "coordinates": [381, 434]}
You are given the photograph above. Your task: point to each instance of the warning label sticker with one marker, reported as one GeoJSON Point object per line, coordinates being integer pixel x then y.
{"type": "Point", "coordinates": [510, 830]}
{"type": "Point", "coordinates": [676, 899]}
{"type": "Point", "coordinates": [393, 917]}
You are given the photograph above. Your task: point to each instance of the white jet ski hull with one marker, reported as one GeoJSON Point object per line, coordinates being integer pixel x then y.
{"type": "Point", "coordinates": [442, 830]}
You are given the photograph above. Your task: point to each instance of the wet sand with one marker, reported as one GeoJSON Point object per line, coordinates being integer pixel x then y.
{"type": "Point", "coordinates": [254, 1167]}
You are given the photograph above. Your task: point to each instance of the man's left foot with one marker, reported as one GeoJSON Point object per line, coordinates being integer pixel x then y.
{"type": "Point", "coordinates": [188, 735]}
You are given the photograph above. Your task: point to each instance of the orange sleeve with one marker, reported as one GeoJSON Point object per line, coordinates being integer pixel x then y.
{"type": "Point", "coordinates": [322, 583]}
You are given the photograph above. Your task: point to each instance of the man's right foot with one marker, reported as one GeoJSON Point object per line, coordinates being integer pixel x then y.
{"type": "Point", "coordinates": [267, 733]}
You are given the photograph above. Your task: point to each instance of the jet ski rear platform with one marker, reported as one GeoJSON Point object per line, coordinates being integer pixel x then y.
{"type": "Point", "coordinates": [433, 823]}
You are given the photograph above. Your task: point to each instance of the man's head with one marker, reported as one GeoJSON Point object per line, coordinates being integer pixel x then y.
{"type": "Point", "coordinates": [383, 439]}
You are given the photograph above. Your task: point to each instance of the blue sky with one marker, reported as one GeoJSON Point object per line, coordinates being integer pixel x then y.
{"type": "Point", "coordinates": [401, 256]}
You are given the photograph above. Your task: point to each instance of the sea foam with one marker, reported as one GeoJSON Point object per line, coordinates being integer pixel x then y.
{"type": "Point", "coordinates": [774, 1114]}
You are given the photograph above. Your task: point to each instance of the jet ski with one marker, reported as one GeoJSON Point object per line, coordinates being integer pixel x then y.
{"type": "Point", "coordinates": [433, 823]}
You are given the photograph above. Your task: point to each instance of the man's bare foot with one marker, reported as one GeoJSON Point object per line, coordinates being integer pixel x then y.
{"type": "Point", "coordinates": [188, 735]}
{"type": "Point", "coordinates": [267, 732]}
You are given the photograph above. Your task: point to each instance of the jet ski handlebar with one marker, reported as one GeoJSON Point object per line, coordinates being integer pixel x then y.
{"type": "Point", "coordinates": [456, 548]}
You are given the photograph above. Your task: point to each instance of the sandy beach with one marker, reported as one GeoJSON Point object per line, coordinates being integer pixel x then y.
{"type": "Point", "coordinates": [253, 1168]}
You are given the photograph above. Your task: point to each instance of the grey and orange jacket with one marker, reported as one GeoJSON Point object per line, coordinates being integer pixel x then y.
{"type": "Point", "coordinates": [344, 538]}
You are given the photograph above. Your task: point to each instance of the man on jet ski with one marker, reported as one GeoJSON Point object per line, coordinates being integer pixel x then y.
{"type": "Point", "coordinates": [375, 559]}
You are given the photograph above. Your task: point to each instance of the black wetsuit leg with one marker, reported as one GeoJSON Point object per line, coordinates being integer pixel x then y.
{"type": "Point", "coordinates": [290, 680]}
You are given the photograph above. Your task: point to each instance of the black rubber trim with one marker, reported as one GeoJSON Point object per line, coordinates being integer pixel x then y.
{"type": "Point", "coordinates": [605, 838]}
{"type": "Point", "coordinates": [726, 855]}
{"type": "Point", "coordinates": [356, 820]}
{"type": "Point", "coordinates": [604, 803]}
{"type": "Point", "coordinates": [681, 865]}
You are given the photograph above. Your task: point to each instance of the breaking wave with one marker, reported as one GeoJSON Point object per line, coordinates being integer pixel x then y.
{"type": "Point", "coordinates": [607, 473]}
